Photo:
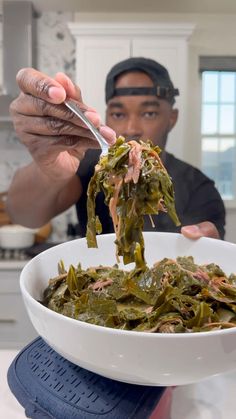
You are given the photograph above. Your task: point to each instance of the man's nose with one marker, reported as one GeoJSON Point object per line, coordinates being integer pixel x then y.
{"type": "Point", "coordinates": [133, 129]}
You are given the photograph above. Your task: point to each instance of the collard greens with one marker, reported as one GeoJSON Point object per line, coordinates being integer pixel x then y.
{"type": "Point", "coordinates": [171, 297]}
{"type": "Point", "coordinates": [135, 183]}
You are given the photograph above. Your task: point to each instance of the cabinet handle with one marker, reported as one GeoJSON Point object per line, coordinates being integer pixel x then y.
{"type": "Point", "coordinates": [7, 321]}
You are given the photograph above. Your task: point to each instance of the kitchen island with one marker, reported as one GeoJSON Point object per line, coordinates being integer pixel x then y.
{"type": "Point", "coordinates": [16, 329]}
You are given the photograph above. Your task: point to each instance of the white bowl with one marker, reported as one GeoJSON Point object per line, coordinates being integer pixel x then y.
{"type": "Point", "coordinates": [15, 236]}
{"type": "Point", "coordinates": [133, 357]}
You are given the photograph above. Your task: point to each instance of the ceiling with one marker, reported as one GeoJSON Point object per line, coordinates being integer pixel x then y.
{"type": "Point", "coordinates": [137, 6]}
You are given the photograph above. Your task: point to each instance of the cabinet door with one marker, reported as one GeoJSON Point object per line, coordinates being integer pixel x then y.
{"type": "Point", "coordinates": [94, 58]}
{"type": "Point", "coordinates": [172, 53]}
{"type": "Point", "coordinates": [16, 329]}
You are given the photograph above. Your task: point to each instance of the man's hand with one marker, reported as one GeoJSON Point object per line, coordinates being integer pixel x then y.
{"type": "Point", "coordinates": [204, 229]}
{"type": "Point", "coordinates": [56, 140]}
{"type": "Point", "coordinates": [54, 136]}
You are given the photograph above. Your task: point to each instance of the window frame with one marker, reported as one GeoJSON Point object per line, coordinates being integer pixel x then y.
{"type": "Point", "coordinates": [218, 64]}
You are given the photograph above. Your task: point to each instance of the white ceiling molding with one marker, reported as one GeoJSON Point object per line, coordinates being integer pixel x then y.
{"type": "Point", "coordinates": [121, 29]}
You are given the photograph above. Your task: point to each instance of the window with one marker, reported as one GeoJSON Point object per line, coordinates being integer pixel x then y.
{"type": "Point", "coordinates": [218, 126]}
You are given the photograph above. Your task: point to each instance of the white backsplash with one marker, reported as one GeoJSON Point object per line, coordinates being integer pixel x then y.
{"type": "Point", "coordinates": [55, 44]}
{"type": "Point", "coordinates": [55, 51]}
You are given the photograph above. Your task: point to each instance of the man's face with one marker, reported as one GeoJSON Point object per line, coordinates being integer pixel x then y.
{"type": "Point", "coordinates": [140, 117]}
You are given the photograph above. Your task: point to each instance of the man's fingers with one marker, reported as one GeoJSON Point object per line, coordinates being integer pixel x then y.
{"type": "Point", "coordinates": [51, 126]}
{"type": "Point", "coordinates": [191, 232]}
{"type": "Point", "coordinates": [26, 105]}
{"type": "Point", "coordinates": [42, 96]}
{"type": "Point", "coordinates": [32, 106]}
{"type": "Point", "coordinates": [72, 91]}
{"type": "Point", "coordinates": [48, 146]}
{"type": "Point", "coordinates": [37, 84]}
{"type": "Point", "coordinates": [204, 229]}
{"type": "Point", "coordinates": [108, 133]}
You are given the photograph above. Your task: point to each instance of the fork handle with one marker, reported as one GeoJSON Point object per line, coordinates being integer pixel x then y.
{"type": "Point", "coordinates": [74, 108]}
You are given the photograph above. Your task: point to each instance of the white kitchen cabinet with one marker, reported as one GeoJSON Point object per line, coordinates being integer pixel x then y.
{"type": "Point", "coordinates": [100, 45]}
{"type": "Point", "coordinates": [16, 329]}
{"type": "Point", "coordinates": [94, 58]}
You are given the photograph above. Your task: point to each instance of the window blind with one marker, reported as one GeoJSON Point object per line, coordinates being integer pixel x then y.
{"type": "Point", "coordinates": [217, 63]}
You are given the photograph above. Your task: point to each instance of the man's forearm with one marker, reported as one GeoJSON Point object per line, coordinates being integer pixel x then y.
{"type": "Point", "coordinates": [34, 199]}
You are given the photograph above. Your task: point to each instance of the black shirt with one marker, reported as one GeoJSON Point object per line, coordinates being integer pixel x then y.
{"type": "Point", "coordinates": [196, 198]}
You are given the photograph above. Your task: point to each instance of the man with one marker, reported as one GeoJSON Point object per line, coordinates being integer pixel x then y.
{"type": "Point", "coordinates": [140, 99]}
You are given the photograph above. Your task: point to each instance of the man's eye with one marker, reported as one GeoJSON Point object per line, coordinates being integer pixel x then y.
{"type": "Point", "coordinates": [150, 115]}
{"type": "Point", "coordinates": [117, 115]}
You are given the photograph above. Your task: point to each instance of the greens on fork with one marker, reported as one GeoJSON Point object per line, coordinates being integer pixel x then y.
{"type": "Point", "coordinates": [135, 183]}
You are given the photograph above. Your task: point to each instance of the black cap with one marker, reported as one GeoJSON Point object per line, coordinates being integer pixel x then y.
{"type": "Point", "coordinates": [162, 84]}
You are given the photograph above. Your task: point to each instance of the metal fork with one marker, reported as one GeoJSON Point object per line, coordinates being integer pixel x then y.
{"type": "Point", "coordinates": [77, 111]}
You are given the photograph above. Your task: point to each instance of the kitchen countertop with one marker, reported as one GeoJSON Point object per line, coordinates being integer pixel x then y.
{"type": "Point", "coordinates": [210, 399]}
{"type": "Point", "coordinates": [6, 265]}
